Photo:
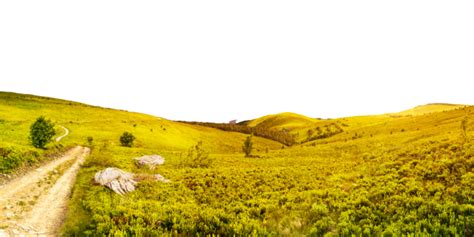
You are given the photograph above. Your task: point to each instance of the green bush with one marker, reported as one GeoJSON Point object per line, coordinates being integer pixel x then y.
{"type": "Point", "coordinates": [41, 132]}
{"type": "Point", "coordinates": [90, 140]}
{"type": "Point", "coordinates": [11, 159]}
{"type": "Point", "coordinates": [127, 139]}
{"type": "Point", "coordinates": [196, 157]}
{"type": "Point", "coordinates": [248, 146]}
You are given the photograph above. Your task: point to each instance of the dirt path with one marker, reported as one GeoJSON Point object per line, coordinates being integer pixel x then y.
{"type": "Point", "coordinates": [66, 132]}
{"type": "Point", "coordinates": [35, 203]}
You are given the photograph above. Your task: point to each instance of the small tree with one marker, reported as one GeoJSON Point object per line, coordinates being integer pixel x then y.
{"type": "Point", "coordinates": [196, 157]}
{"type": "Point", "coordinates": [41, 132]}
{"type": "Point", "coordinates": [127, 139]}
{"type": "Point", "coordinates": [464, 124]}
{"type": "Point", "coordinates": [248, 146]}
{"type": "Point", "coordinates": [90, 140]}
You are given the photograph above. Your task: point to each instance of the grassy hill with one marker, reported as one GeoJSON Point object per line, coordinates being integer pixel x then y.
{"type": "Point", "coordinates": [286, 128]}
{"type": "Point", "coordinates": [283, 120]}
{"type": "Point", "coordinates": [381, 175]}
{"type": "Point", "coordinates": [105, 126]}
{"type": "Point", "coordinates": [429, 108]}
{"type": "Point", "coordinates": [290, 128]}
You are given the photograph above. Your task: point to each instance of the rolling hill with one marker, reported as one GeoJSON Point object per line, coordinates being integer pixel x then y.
{"type": "Point", "coordinates": [429, 108]}
{"type": "Point", "coordinates": [384, 175]}
{"type": "Point", "coordinates": [290, 128]}
{"type": "Point", "coordinates": [18, 112]}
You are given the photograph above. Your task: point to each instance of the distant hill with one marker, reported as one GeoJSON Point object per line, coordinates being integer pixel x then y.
{"type": "Point", "coordinates": [428, 108]}
{"type": "Point", "coordinates": [286, 128]}
{"type": "Point", "coordinates": [291, 128]}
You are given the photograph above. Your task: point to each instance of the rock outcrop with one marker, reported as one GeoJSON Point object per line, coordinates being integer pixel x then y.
{"type": "Point", "coordinates": [123, 182]}
{"type": "Point", "coordinates": [151, 161]}
{"type": "Point", "coordinates": [118, 180]}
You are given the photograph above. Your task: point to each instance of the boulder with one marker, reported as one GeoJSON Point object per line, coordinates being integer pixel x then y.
{"type": "Point", "coordinates": [118, 180]}
{"type": "Point", "coordinates": [150, 161]}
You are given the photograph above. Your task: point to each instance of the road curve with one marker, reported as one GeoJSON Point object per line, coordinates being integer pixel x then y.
{"type": "Point", "coordinates": [66, 132]}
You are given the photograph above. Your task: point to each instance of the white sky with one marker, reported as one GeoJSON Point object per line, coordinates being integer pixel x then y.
{"type": "Point", "coordinates": [222, 60]}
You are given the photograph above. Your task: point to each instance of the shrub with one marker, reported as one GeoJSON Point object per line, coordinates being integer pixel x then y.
{"type": "Point", "coordinates": [197, 157]}
{"type": "Point", "coordinates": [90, 140]}
{"type": "Point", "coordinates": [11, 158]}
{"type": "Point", "coordinates": [127, 139]}
{"type": "Point", "coordinates": [464, 124]}
{"type": "Point", "coordinates": [248, 146]}
{"type": "Point", "coordinates": [41, 132]}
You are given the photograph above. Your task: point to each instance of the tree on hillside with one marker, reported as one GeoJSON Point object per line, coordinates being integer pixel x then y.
{"type": "Point", "coordinates": [127, 139]}
{"type": "Point", "coordinates": [248, 146]}
{"type": "Point", "coordinates": [41, 132]}
{"type": "Point", "coordinates": [464, 123]}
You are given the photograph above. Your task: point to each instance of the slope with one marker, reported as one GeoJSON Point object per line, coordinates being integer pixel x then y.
{"type": "Point", "coordinates": [382, 176]}
{"type": "Point", "coordinates": [428, 108]}
{"type": "Point", "coordinates": [103, 126]}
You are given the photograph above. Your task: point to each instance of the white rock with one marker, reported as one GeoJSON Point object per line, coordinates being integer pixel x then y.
{"type": "Point", "coordinates": [118, 180]}
{"type": "Point", "coordinates": [151, 161]}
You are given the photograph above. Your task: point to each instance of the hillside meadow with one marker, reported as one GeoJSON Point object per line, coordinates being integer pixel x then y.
{"type": "Point", "coordinates": [408, 174]}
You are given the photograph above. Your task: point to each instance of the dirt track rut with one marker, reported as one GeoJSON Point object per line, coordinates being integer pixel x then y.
{"type": "Point", "coordinates": [35, 204]}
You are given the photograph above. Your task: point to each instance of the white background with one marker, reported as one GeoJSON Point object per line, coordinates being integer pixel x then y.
{"type": "Point", "coordinates": [223, 60]}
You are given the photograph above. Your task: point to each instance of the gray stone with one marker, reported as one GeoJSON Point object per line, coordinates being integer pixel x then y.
{"type": "Point", "coordinates": [150, 161]}
{"type": "Point", "coordinates": [119, 181]}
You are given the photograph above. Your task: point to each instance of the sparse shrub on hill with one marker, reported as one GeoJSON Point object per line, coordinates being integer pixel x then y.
{"type": "Point", "coordinates": [464, 123]}
{"type": "Point", "coordinates": [127, 139]}
{"type": "Point", "coordinates": [90, 140]}
{"type": "Point", "coordinates": [283, 136]}
{"type": "Point", "coordinates": [248, 146]}
{"type": "Point", "coordinates": [41, 132]}
{"type": "Point", "coordinates": [196, 157]}
{"type": "Point", "coordinates": [328, 131]}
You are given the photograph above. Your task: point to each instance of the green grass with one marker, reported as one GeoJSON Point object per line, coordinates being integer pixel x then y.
{"type": "Point", "coordinates": [18, 112]}
{"type": "Point", "coordinates": [382, 175]}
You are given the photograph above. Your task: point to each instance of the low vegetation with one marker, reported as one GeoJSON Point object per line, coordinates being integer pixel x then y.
{"type": "Point", "coordinates": [371, 176]}
{"type": "Point", "coordinates": [280, 135]}
{"type": "Point", "coordinates": [196, 157]}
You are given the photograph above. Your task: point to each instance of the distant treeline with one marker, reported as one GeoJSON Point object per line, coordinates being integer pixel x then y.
{"type": "Point", "coordinates": [283, 136]}
{"type": "Point", "coordinates": [326, 131]}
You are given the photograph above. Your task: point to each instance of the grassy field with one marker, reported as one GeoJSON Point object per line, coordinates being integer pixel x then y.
{"type": "Point", "coordinates": [391, 175]}
{"type": "Point", "coordinates": [18, 112]}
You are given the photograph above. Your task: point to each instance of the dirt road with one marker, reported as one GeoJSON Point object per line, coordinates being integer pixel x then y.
{"type": "Point", "coordinates": [35, 203]}
{"type": "Point", "coordinates": [66, 132]}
